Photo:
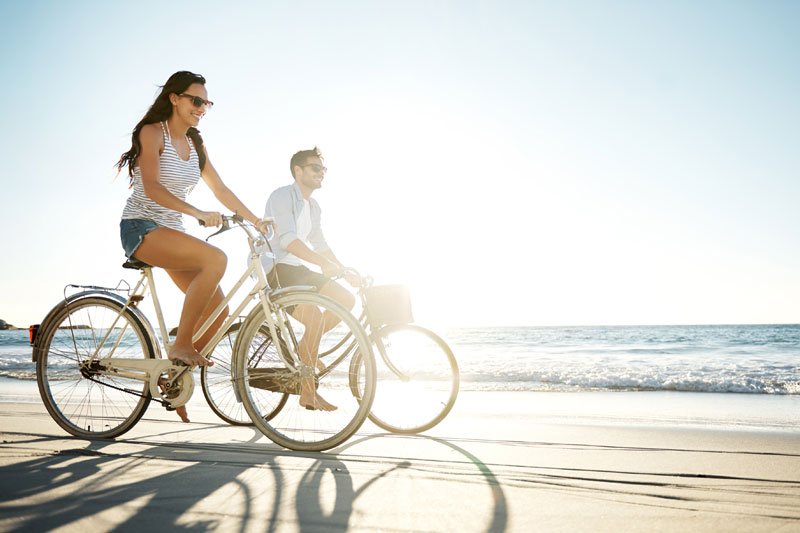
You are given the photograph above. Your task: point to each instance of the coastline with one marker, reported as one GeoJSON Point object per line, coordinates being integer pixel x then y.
{"type": "Point", "coordinates": [499, 462]}
{"type": "Point", "coordinates": [757, 412]}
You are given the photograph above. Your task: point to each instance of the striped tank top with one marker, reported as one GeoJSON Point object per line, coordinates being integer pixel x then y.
{"type": "Point", "coordinates": [178, 176]}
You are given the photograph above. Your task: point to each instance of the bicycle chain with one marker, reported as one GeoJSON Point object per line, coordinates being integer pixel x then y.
{"type": "Point", "coordinates": [139, 394]}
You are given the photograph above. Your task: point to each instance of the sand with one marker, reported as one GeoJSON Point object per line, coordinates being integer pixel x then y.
{"type": "Point", "coordinates": [500, 462]}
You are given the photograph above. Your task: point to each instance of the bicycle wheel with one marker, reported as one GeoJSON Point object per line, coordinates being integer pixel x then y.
{"type": "Point", "coordinates": [264, 385]}
{"type": "Point", "coordinates": [217, 381]}
{"type": "Point", "coordinates": [418, 379]}
{"type": "Point", "coordinates": [81, 399]}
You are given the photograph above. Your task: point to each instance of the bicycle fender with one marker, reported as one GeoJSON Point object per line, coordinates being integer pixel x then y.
{"type": "Point", "coordinates": [273, 295]}
{"type": "Point", "coordinates": [57, 308]}
{"type": "Point", "coordinates": [92, 294]}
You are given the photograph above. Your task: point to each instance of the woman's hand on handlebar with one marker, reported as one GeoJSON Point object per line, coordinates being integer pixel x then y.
{"type": "Point", "coordinates": [209, 218]}
{"type": "Point", "coordinates": [266, 227]}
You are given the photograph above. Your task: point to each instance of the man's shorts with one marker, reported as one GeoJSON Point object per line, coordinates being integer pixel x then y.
{"type": "Point", "coordinates": [283, 275]}
{"type": "Point", "coordinates": [132, 232]}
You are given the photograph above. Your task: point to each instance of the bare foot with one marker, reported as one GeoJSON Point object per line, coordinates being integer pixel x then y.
{"type": "Point", "coordinates": [188, 356]}
{"type": "Point", "coordinates": [316, 403]}
{"type": "Point", "coordinates": [180, 411]}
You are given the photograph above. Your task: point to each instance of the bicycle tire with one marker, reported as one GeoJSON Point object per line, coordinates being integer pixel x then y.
{"type": "Point", "coordinates": [295, 427]}
{"type": "Point", "coordinates": [217, 381]}
{"type": "Point", "coordinates": [418, 379]}
{"type": "Point", "coordinates": [104, 406]}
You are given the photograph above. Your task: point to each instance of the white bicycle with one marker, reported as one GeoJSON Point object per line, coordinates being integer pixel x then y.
{"type": "Point", "coordinates": [99, 363]}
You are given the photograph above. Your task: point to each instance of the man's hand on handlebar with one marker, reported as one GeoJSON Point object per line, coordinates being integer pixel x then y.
{"type": "Point", "coordinates": [331, 269]}
{"type": "Point", "coordinates": [352, 277]}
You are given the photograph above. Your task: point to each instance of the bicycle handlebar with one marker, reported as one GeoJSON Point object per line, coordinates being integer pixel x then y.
{"type": "Point", "coordinates": [242, 223]}
{"type": "Point", "coordinates": [225, 219]}
{"type": "Point", "coordinates": [363, 281]}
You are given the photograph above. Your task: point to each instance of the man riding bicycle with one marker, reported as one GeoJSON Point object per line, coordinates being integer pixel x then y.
{"type": "Point", "coordinates": [297, 243]}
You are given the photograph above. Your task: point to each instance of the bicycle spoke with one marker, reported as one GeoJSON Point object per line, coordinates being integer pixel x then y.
{"type": "Point", "coordinates": [272, 384]}
{"type": "Point", "coordinates": [101, 405]}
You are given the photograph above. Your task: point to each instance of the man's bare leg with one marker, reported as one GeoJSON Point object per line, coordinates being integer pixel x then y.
{"type": "Point", "coordinates": [339, 294]}
{"type": "Point", "coordinates": [308, 350]}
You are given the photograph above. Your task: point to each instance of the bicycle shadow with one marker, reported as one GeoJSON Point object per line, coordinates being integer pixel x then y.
{"type": "Point", "coordinates": [154, 487]}
{"type": "Point", "coordinates": [314, 518]}
{"type": "Point", "coordinates": [195, 486]}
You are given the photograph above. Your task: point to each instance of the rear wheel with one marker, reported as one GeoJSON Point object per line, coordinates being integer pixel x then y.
{"type": "Point", "coordinates": [80, 397]}
{"type": "Point", "coordinates": [266, 384]}
{"type": "Point", "coordinates": [217, 381]}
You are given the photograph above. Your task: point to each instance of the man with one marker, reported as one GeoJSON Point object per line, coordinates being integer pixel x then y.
{"type": "Point", "coordinates": [299, 241]}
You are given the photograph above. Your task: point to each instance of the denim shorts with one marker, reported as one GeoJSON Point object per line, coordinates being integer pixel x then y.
{"type": "Point", "coordinates": [132, 231]}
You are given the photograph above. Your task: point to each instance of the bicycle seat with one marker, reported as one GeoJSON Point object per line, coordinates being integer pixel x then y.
{"type": "Point", "coordinates": [134, 264]}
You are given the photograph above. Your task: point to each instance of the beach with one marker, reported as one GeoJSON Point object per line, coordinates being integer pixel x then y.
{"type": "Point", "coordinates": [590, 207]}
{"type": "Point", "coordinates": [501, 461]}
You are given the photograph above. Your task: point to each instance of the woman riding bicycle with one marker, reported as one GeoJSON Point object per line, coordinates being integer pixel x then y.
{"type": "Point", "coordinates": [166, 160]}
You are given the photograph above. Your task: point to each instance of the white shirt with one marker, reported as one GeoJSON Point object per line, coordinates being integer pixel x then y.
{"type": "Point", "coordinates": [303, 231]}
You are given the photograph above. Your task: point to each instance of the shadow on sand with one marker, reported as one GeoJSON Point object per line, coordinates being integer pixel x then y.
{"type": "Point", "coordinates": [139, 485]}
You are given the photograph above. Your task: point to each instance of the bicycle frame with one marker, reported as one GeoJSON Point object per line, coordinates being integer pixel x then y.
{"type": "Point", "coordinates": [150, 370]}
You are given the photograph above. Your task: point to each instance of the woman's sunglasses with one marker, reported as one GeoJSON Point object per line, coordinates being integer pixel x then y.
{"type": "Point", "coordinates": [197, 101]}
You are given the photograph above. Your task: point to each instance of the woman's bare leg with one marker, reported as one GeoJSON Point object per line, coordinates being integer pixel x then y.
{"type": "Point", "coordinates": [183, 280]}
{"type": "Point", "coordinates": [200, 263]}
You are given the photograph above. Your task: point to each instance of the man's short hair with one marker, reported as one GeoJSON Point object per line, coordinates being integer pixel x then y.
{"type": "Point", "coordinates": [299, 159]}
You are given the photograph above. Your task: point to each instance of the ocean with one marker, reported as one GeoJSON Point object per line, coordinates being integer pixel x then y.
{"type": "Point", "coordinates": [755, 359]}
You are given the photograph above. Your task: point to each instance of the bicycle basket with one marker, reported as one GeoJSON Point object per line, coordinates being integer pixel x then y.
{"type": "Point", "coordinates": [388, 305]}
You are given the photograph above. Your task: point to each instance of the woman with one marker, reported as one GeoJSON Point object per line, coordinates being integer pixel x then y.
{"type": "Point", "coordinates": [166, 159]}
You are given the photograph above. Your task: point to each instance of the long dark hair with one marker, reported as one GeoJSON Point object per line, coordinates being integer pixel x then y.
{"type": "Point", "coordinates": [161, 111]}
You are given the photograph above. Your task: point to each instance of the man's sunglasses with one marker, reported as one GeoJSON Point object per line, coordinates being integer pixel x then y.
{"type": "Point", "coordinates": [197, 101]}
{"type": "Point", "coordinates": [315, 167]}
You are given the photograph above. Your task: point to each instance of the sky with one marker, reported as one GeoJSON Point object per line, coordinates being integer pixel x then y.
{"type": "Point", "coordinates": [513, 163]}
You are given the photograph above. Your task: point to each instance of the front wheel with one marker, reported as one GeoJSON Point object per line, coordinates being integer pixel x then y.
{"type": "Point", "coordinates": [309, 320]}
{"type": "Point", "coordinates": [418, 379]}
{"type": "Point", "coordinates": [83, 399]}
